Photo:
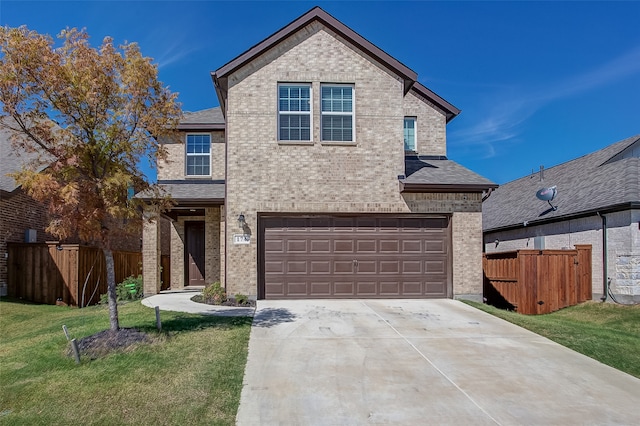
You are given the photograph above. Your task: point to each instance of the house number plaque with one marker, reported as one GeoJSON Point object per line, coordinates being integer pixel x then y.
{"type": "Point", "coordinates": [241, 238]}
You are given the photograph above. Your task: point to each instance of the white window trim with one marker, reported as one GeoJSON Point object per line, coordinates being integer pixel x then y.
{"type": "Point", "coordinates": [353, 113]}
{"type": "Point", "coordinates": [415, 133]}
{"type": "Point", "coordinates": [186, 154]}
{"type": "Point", "coordinates": [280, 113]}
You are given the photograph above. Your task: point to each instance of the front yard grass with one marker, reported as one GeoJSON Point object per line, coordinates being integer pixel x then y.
{"type": "Point", "coordinates": [191, 374]}
{"type": "Point", "coordinates": [606, 332]}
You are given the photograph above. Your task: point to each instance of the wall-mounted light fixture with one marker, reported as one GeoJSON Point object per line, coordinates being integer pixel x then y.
{"type": "Point", "coordinates": [497, 242]}
{"type": "Point", "coordinates": [241, 221]}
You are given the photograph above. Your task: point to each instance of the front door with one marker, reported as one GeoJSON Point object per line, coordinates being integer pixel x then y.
{"type": "Point", "coordinates": [194, 235]}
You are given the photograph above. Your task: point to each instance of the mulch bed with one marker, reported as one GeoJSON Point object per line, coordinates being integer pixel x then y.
{"type": "Point", "coordinates": [108, 341]}
{"type": "Point", "coordinates": [229, 302]}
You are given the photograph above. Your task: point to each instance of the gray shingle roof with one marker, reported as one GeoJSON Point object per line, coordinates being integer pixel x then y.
{"type": "Point", "coordinates": [203, 120]}
{"type": "Point", "coordinates": [205, 116]}
{"type": "Point", "coordinates": [191, 192]}
{"type": "Point", "coordinates": [585, 184]}
{"type": "Point", "coordinates": [12, 161]}
{"type": "Point", "coordinates": [441, 173]}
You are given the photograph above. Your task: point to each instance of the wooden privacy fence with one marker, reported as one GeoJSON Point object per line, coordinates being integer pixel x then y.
{"type": "Point", "coordinates": [50, 273]}
{"type": "Point", "coordinates": [538, 281]}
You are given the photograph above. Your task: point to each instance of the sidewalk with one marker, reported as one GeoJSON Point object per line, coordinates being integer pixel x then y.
{"type": "Point", "coordinates": [180, 301]}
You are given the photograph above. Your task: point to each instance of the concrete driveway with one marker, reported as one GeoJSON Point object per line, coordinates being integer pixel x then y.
{"type": "Point", "coordinates": [410, 362]}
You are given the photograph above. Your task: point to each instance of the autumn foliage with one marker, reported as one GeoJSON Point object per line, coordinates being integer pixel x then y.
{"type": "Point", "coordinates": [92, 114]}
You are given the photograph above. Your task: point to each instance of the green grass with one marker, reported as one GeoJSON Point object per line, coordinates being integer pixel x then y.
{"type": "Point", "coordinates": [191, 374]}
{"type": "Point", "coordinates": [606, 332]}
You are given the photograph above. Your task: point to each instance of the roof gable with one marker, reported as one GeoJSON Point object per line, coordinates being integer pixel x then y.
{"type": "Point", "coordinates": [221, 75]}
{"type": "Point", "coordinates": [588, 184]}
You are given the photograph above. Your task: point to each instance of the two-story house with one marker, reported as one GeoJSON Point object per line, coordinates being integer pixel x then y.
{"type": "Point", "coordinates": [323, 174]}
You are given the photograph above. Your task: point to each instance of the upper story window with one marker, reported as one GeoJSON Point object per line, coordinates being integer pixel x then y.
{"type": "Point", "coordinates": [198, 155]}
{"type": "Point", "coordinates": [409, 133]}
{"type": "Point", "coordinates": [337, 112]}
{"type": "Point", "coordinates": [294, 112]}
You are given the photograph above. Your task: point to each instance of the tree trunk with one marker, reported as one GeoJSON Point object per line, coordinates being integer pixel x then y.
{"type": "Point", "coordinates": [111, 290]}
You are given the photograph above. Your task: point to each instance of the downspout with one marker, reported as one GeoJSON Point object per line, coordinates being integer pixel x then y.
{"type": "Point", "coordinates": [605, 282]}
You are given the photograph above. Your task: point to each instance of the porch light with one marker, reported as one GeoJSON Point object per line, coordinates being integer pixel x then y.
{"type": "Point", "coordinates": [241, 221]}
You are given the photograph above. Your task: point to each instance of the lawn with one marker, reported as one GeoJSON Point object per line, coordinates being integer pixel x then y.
{"type": "Point", "coordinates": [606, 332]}
{"type": "Point", "coordinates": [190, 374]}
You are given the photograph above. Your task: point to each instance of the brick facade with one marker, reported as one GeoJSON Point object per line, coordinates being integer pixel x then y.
{"type": "Point", "coordinates": [264, 175]}
{"type": "Point", "coordinates": [19, 212]}
{"type": "Point", "coordinates": [173, 167]}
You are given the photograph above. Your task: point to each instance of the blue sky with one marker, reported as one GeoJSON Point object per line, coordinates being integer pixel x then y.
{"type": "Point", "coordinates": [538, 83]}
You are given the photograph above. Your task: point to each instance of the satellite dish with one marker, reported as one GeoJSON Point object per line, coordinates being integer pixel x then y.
{"type": "Point", "coordinates": [547, 194]}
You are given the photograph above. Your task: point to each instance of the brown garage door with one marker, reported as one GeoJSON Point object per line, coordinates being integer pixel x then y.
{"type": "Point", "coordinates": [355, 257]}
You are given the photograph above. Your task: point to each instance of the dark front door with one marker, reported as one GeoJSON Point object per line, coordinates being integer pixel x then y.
{"type": "Point", "coordinates": [194, 235]}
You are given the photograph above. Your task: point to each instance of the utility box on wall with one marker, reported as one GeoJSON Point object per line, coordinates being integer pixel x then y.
{"type": "Point", "coordinates": [30, 236]}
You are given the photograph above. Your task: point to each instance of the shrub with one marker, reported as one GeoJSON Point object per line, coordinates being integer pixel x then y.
{"type": "Point", "coordinates": [241, 299]}
{"type": "Point", "coordinates": [214, 294]}
{"type": "Point", "coordinates": [129, 289]}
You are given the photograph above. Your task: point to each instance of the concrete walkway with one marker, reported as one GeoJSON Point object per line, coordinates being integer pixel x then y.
{"type": "Point", "coordinates": [419, 362]}
{"type": "Point", "coordinates": [180, 301]}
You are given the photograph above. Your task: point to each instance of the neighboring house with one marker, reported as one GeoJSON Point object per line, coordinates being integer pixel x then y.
{"type": "Point", "coordinates": [597, 203]}
{"type": "Point", "coordinates": [323, 174]}
{"type": "Point", "coordinates": [22, 219]}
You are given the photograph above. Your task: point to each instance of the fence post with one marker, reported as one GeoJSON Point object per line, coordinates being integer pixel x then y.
{"type": "Point", "coordinates": [158, 322]}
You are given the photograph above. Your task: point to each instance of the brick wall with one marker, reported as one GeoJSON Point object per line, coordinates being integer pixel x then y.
{"type": "Point", "coordinates": [431, 136]}
{"type": "Point", "coordinates": [173, 167]}
{"type": "Point", "coordinates": [264, 175]}
{"type": "Point", "coordinates": [19, 212]}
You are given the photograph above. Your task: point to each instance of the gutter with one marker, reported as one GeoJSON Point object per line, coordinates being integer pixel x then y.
{"type": "Point", "coordinates": [585, 213]}
{"type": "Point", "coordinates": [428, 187]}
{"type": "Point", "coordinates": [605, 281]}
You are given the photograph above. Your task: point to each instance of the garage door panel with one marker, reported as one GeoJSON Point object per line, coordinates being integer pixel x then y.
{"type": "Point", "coordinates": [412, 246]}
{"type": "Point", "coordinates": [347, 257]}
{"type": "Point", "coordinates": [366, 246]}
{"type": "Point", "coordinates": [367, 288]}
{"type": "Point", "coordinates": [390, 288]}
{"type": "Point", "coordinates": [434, 246]}
{"type": "Point", "coordinates": [435, 266]}
{"type": "Point", "coordinates": [320, 289]}
{"type": "Point", "coordinates": [320, 266]}
{"type": "Point", "coordinates": [343, 267]}
{"type": "Point", "coordinates": [297, 267]}
{"type": "Point", "coordinates": [274, 266]}
{"type": "Point", "coordinates": [412, 267]}
{"type": "Point", "coordinates": [320, 246]}
{"type": "Point", "coordinates": [412, 288]}
{"type": "Point", "coordinates": [389, 267]}
{"type": "Point", "coordinates": [275, 289]}
{"type": "Point", "coordinates": [343, 246]}
{"type": "Point", "coordinates": [274, 246]}
{"type": "Point", "coordinates": [367, 266]}
{"type": "Point", "coordinates": [297, 246]}
{"type": "Point", "coordinates": [344, 288]}
{"type": "Point", "coordinates": [389, 246]}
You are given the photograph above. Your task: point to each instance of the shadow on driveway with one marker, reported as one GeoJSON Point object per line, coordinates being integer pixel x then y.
{"type": "Point", "coordinates": [270, 317]}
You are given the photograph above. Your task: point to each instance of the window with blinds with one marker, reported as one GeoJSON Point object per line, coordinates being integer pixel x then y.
{"type": "Point", "coordinates": [294, 112]}
{"type": "Point", "coordinates": [337, 112]}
